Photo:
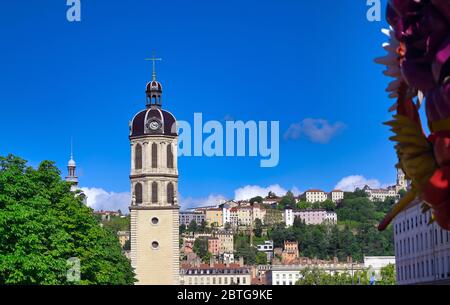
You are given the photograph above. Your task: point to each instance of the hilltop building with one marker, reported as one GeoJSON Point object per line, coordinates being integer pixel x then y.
{"type": "Point", "coordinates": [315, 196]}
{"type": "Point", "coordinates": [336, 196]}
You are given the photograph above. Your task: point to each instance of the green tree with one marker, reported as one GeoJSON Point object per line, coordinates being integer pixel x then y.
{"type": "Point", "coordinates": [303, 205]}
{"type": "Point", "coordinates": [182, 228]}
{"type": "Point", "coordinates": [316, 276]}
{"type": "Point", "coordinates": [192, 226]}
{"type": "Point", "coordinates": [243, 249]}
{"type": "Point", "coordinates": [201, 247]}
{"type": "Point", "coordinates": [43, 224]}
{"type": "Point", "coordinates": [257, 199]}
{"type": "Point", "coordinates": [117, 223]}
{"type": "Point", "coordinates": [328, 205]}
{"type": "Point", "coordinates": [258, 227]}
{"type": "Point", "coordinates": [316, 205]}
{"type": "Point", "coordinates": [203, 226]}
{"type": "Point", "coordinates": [388, 275]}
{"type": "Point", "coordinates": [287, 200]}
{"type": "Point", "coordinates": [261, 258]}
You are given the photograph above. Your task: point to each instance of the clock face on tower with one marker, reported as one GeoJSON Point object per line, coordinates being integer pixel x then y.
{"type": "Point", "coordinates": [153, 124]}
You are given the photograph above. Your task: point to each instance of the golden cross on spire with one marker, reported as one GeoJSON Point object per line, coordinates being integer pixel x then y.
{"type": "Point", "coordinates": [154, 59]}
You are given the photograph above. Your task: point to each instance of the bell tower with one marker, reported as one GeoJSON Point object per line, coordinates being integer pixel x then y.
{"type": "Point", "coordinates": [154, 187]}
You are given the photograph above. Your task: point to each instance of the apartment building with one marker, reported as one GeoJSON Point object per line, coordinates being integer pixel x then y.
{"type": "Point", "coordinates": [422, 251]}
{"type": "Point", "coordinates": [215, 274]}
{"type": "Point", "coordinates": [315, 196]}
{"type": "Point", "coordinates": [316, 217]}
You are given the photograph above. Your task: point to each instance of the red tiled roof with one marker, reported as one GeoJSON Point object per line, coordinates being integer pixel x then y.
{"type": "Point", "coordinates": [315, 190]}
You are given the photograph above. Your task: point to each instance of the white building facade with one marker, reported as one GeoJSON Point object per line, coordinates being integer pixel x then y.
{"type": "Point", "coordinates": [288, 217]}
{"type": "Point", "coordinates": [422, 251]}
{"type": "Point", "coordinates": [336, 196]}
{"type": "Point", "coordinates": [315, 196]}
{"type": "Point", "coordinates": [290, 274]}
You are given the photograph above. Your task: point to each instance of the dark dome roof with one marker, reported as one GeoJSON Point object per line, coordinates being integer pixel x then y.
{"type": "Point", "coordinates": [166, 118]}
{"type": "Point", "coordinates": [154, 86]}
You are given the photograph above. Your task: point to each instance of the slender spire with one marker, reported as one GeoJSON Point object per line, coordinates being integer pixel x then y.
{"type": "Point", "coordinates": [71, 168]}
{"type": "Point", "coordinates": [154, 60]}
{"type": "Point", "coordinates": [71, 148]}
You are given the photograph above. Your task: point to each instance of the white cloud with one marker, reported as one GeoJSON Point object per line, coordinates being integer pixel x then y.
{"type": "Point", "coordinates": [296, 191]}
{"type": "Point", "coordinates": [316, 130]}
{"type": "Point", "coordinates": [350, 183]}
{"type": "Point", "coordinates": [243, 193]}
{"type": "Point", "coordinates": [99, 199]}
{"type": "Point", "coordinates": [211, 200]}
{"type": "Point", "coordinates": [250, 191]}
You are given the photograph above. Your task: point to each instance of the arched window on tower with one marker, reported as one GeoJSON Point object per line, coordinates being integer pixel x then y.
{"type": "Point", "coordinates": [138, 193]}
{"type": "Point", "coordinates": [170, 193]}
{"type": "Point", "coordinates": [138, 157]}
{"type": "Point", "coordinates": [154, 192]}
{"type": "Point", "coordinates": [169, 156]}
{"type": "Point", "coordinates": [154, 155]}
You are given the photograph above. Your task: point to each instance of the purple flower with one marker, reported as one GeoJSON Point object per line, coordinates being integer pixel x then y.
{"type": "Point", "coordinates": [423, 28]}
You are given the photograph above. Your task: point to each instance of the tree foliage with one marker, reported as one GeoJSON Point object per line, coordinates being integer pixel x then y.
{"type": "Point", "coordinates": [243, 248]}
{"type": "Point", "coordinates": [258, 227]}
{"type": "Point", "coordinates": [43, 224]}
{"type": "Point", "coordinates": [316, 276]}
{"type": "Point", "coordinates": [388, 276]}
{"type": "Point", "coordinates": [201, 248]}
{"type": "Point", "coordinates": [117, 223]}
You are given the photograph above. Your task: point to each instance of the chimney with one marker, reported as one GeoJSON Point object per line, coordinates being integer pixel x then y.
{"type": "Point", "coordinates": [197, 262]}
{"type": "Point", "coordinates": [241, 261]}
{"type": "Point", "coordinates": [335, 260]}
{"type": "Point", "coordinates": [211, 262]}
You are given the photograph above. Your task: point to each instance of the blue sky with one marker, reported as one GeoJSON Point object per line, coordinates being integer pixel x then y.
{"type": "Point", "coordinates": [281, 61]}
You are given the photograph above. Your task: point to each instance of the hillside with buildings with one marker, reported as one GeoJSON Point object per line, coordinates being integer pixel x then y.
{"type": "Point", "coordinates": [279, 236]}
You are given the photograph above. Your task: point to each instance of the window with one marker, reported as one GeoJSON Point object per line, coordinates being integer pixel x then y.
{"type": "Point", "coordinates": [170, 193]}
{"type": "Point", "coordinates": [138, 193]}
{"type": "Point", "coordinates": [155, 221]}
{"type": "Point", "coordinates": [154, 192]}
{"type": "Point", "coordinates": [155, 245]}
{"type": "Point", "coordinates": [169, 156]}
{"type": "Point", "coordinates": [154, 155]}
{"type": "Point", "coordinates": [138, 157]}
